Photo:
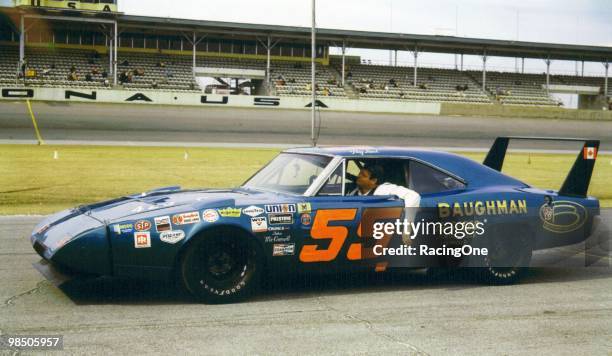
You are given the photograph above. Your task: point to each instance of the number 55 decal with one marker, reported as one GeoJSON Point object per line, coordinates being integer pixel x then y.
{"type": "Point", "coordinates": [338, 234]}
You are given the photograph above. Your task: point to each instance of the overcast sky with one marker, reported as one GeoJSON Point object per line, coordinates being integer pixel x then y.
{"type": "Point", "coordinates": [559, 21]}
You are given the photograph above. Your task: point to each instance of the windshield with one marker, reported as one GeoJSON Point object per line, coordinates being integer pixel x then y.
{"type": "Point", "coordinates": [289, 173]}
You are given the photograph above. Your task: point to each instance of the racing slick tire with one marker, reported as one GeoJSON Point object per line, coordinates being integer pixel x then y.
{"type": "Point", "coordinates": [508, 258]}
{"type": "Point", "coordinates": [224, 267]}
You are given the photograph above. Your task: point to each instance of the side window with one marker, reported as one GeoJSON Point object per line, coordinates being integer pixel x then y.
{"type": "Point", "coordinates": [426, 180]}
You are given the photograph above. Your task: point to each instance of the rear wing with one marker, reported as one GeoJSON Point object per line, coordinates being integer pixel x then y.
{"type": "Point", "coordinates": [579, 177]}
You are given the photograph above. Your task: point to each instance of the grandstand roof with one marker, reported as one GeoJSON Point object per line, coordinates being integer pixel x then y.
{"type": "Point", "coordinates": [369, 40]}
{"type": "Point", "coordinates": [382, 40]}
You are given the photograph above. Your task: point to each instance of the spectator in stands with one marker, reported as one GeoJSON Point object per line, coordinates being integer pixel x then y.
{"type": "Point", "coordinates": [125, 63]}
{"type": "Point", "coordinates": [386, 87]}
{"type": "Point", "coordinates": [326, 91]}
{"type": "Point", "coordinates": [72, 69]}
{"type": "Point", "coordinates": [72, 76]}
{"type": "Point", "coordinates": [291, 90]}
{"type": "Point", "coordinates": [88, 77]}
{"type": "Point", "coordinates": [24, 67]}
{"type": "Point", "coordinates": [106, 83]}
{"type": "Point", "coordinates": [392, 82]}
{"type": "Point", "coordinates": [332, 81]}
{"type": "Point", "coordinates": [46, 71]}
{"type": "Point", "coordinates": [154, 84]}
{"type": "Point", "coordinates": [423, 86]}
{"type": "Point", "coordinates": [168, 73]}
{"type": "Point", "coordinates": [123, 77]}
{"type": "Point", "coordinates": [349, 75]}
{"type": "Point", "coordinates": [161, 64]}
{"type": "Point", "coordinates": [402, 95]}
{"type": "Point", "coordinates": [308, 87]}
{"type": "Point", "coordinates": [363, 90]}
{"type": "Point", "coordinates": [95, 71]}
{"type": "Point", "coordinates": [291, 80]}
{"type": "Point", "coordinates": [104, 74]}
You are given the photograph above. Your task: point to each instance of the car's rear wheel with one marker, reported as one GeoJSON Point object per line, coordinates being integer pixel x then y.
{"type": "Point", "coordinates": [221, 268]}
{"type": "Point", "coordinates": [508, 257]}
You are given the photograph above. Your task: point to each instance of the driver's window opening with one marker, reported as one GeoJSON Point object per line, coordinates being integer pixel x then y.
{"type": "Point", "coordinates": [403, 172]}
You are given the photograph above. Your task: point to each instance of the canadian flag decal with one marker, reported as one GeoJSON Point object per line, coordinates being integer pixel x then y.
{"type": "Point", "coordinates": [590, 153]}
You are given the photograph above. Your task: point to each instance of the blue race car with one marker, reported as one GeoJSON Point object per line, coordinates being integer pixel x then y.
{"type": "Point", "coordinates": [296, 215]}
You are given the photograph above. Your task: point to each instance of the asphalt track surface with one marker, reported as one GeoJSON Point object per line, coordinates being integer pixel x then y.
{"type": "Point", "coordinates": [555, 310]}
{"type": "Point", "coordinates": [163, 124]}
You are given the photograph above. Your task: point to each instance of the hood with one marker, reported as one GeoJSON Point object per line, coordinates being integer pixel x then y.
{"type": "Point", "coordinates": [163, 198]}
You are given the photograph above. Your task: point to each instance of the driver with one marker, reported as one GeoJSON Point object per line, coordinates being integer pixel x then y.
{"type": "Point", "coordinates": [368, 184]}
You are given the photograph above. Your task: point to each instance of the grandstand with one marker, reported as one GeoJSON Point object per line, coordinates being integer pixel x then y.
{"type": "Point", "coordinates": [69, 51]}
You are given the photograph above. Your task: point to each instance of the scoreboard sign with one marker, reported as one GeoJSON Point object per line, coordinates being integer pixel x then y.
{"type": "Point", "coordinates": [82, 5]}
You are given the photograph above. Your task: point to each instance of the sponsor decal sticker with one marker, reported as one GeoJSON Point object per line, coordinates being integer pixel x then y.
{"type": "Point", "coordinates": [210, 215]}
{"type": "Point", "coordinates": [121, 228]}
{"type": "Point", "coordinates": [590, 153]}
{"type": "Point", "coordinates": [142, 225]}
{"type": "Point", "coordinates": [283, 250]}
{"type": "Point", "coordinates": [253, 211]}
{"type": "Point", "coordinates": [142, 239]}
{"type": "Point", "coordinates": [186, 218]}
{"type": "Point", "coordinates": [280, 208]}
{"type": "Point", "coordinates": [305, 219]}
{"type": "Point", "coordinates": [279, 219]}
{"type": "Point", "coordinates": [259, 224]}
{"type": "Point", "coordinates": [304, 208]}
{"type": "Point", "coordinates": [162, 223]}
{"type": "Point", "coordinates": [278, 228]}
{"type": "Point", "coordinates": [172, 237]}
{"type": "Point", "coordinates": [230, 212]}
{"type": "Point", "coordinates": [563, 216]}
{"type": "Point", "coordinates": [269, 239]}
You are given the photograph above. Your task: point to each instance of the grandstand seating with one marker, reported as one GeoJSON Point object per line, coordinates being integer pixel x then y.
{"type": "Point", "coordinates": [516, 88]}
{"type": "Point", "coordinates": [440, 85]}
{"type": "Point", "coordinates": [289, 78]}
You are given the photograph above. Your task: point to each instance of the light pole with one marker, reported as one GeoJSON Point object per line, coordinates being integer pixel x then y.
{"type": "Point", "coordinates": [313, 55]}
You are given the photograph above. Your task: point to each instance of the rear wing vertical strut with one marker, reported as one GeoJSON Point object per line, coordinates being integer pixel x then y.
{"type": "Point", "coordinates": [579, 177]}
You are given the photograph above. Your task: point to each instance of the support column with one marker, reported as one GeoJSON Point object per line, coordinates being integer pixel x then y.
{"type": "Point", "coordinates": [462, 62]}
{"type": "Point", "coordinates": [21, 42]}
{"type": "Point", "coordinates": [343, 62]}
{"type": "Point", "coordinates": [484, 71]}
{"type": "Point", "coordinates": [193, 45]}
{"type": "Point", "coordinates": [110, 57]}
{"type": "Point", "coordinates": [395, 58]}
{"type": "Point", "coordinates": [416, 54]}
{"type": "Point", "coordinates": [116, 36]}
{"type": "Point", "coordinates": [582, 68]}
{"type": "Point", "coordinates": [523, 65]}
{"type": "Point", "coordinates": [268, 49]}
{"type": "Point", "coordinates": [548, 76]}
{"type": "Point", "coordinates": [606, 65]}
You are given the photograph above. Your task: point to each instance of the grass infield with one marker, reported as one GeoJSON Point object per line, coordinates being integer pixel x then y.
{"type": "Point", "coordinates": [35, 180]}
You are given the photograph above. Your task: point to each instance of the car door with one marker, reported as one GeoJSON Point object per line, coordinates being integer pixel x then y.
{"type": "Point", "coordinates": [337, 231]}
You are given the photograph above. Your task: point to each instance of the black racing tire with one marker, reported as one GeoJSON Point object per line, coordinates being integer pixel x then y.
{"type": "Point", "coordinates": [508, 258]}
{"type": "Point", "coordinates": [223, 267]}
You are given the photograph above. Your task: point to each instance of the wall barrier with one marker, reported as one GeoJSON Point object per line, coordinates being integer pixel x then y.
{"type": "Point", "coordinates": [208, 100]}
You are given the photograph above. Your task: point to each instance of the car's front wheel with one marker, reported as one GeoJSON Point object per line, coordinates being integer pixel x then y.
{"type": "Point", "coordinates": [224, 267]}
